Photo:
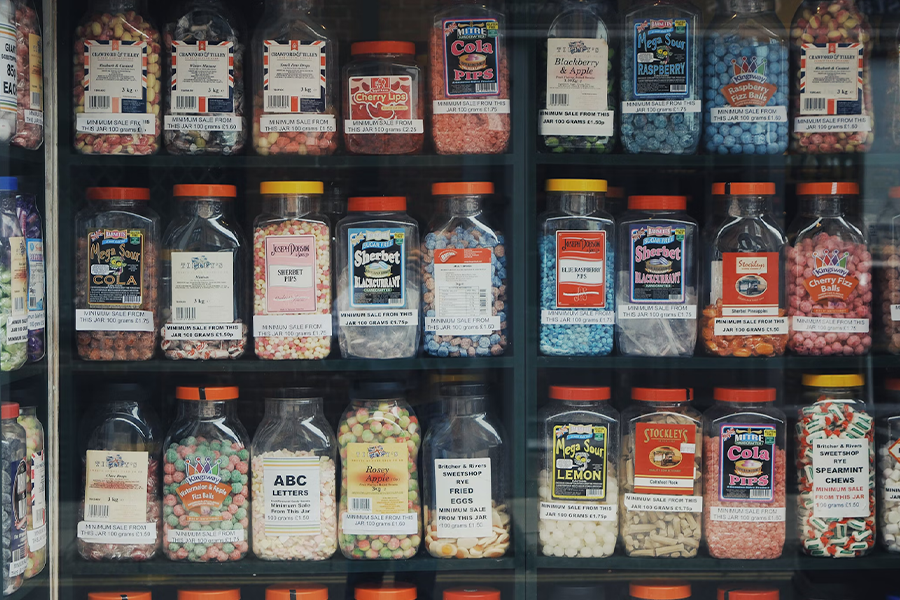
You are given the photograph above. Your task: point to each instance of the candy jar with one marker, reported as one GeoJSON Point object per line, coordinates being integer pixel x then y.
{"type": "Point", "coordinates": [659, 589]}
{"type": "Point", "coordinates": [380, 514]}
{"type": "Point", "coordinates": [578, 487]}
{"type": "Point", "coordinates": [656, 295]}
{"type": "Point", "coordinates": [36, 477]}
{"type": "Point", "coordinates": [29, 83]}
{"type": "Point", "coordinates": [294, 503]}
{"type": "Point", "coordinates": [30, 222]}
{"type": "Point", "coordinates": [836, 468]}
{"type": "Point", "coordinates": [745, 314]}
{"type": "Point", "coordinates": [295, 71]}
{"type": "Point", "coordinates": [830, 81]}
{"type": "Point", "coordinates": [746, 77]}
{"type": "Point", "coordinates": [120, 513]}
{"type": "Point", "coordinates": [467, 442]}
{"type": "Point", "coordinates": [204, 81]}
{"type": "Point", "coordinates": [206, 462]}
{"type": "Point", "coordinates": [577, 252]}
{"type": "Point", "coordinates": [887, 274]}
{"type": "Point", "coordinates": [116, 274]}
{"type": "Point", "coordinates": [13, 283]}
{"type": "Point", "coordinates": [744, 474]}
{"type": "Point", "coordinates": [661, 78]}
{"type": "Point", "coordinates": [660, 474]}
{"type": "Point", "coordinates": [464, 278]}
{"type": "Point", "coordinates": [829, 274]}
{"type": "Point", "coordinates": [204, 280]}
{"type": "Point", "coordinates": [469, 79]}
{"type": "Point", "coordinates": [14, 499]}
{"type": "Point", "coordinates": [887, 436]}
{"type": "Point", "coordinates": [117, 91]}
{"type": "Point", "coordinates": [291, 273]}
{"type": "Point", "coordinates": [384, 99]}
{"type": "Point", "coordinates": [581, 81]}
{"type": "Point", "coordinates": [378, 279]}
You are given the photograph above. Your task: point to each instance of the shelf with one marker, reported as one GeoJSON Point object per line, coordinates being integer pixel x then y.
{"type": "Point", "coordinates": [27, 371]}
{"type": "Point", "coordinates": [31, 585]}
{"type": "Point", "coordinates": [674, 162]}
{"type": "Point", "coordinates": [799, 363]}
{"type": "Point", "coordinates": [13, 158]}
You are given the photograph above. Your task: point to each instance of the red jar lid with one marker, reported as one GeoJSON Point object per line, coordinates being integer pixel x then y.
{"type": "Point", "coordinates": [207, 393]}
{"type": "Point", "coordinates": [376, 204]}
{"type": "Point", "coordinates": [132, 595]}
{"type": "Point", "coordinates": [385, 591]}
{"type": "Point", "coordinates": [662, 394]}
{"type": "Point", "coordinates": [660, 590]}
{"type": "Point", "coordinates": [388, 47]}
{"type": "Point", "coordinates": [894, 192]}
{"type": "Point", "coordinates": [9, 410]}
{"type": "Point", "coordinates": [204, 191]}
{"type": "Point", "coordinates": [718, 189]}
{"type": "Point", "coordinates": [118, 193]}
{"type": "Point", "coordinates": [826, 188]}
{"type": "Point", "coordinates": [210, 594]}
{"type": "Point", "coordinates": [744, 394]}
{"type": "Point", "coordinates": [747, 594]}
{"type": "Point", "coordinates": [472, 593]}
{"type": "Point", "coordinates": [759, 188]}
{"type": "Point", "coordinates": [892, 384]}
{"type": "Point", "coordinates": [588, 394]}
{"type": "Point", "coordinates": [657, 202]}
{"type": "Point", "coordinates": [297, 591]}
{"type": "Point", "coordinates": [462, 188]}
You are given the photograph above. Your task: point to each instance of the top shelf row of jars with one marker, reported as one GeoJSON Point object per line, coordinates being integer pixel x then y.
{"type": "Point", "coordinates": [730, 86]}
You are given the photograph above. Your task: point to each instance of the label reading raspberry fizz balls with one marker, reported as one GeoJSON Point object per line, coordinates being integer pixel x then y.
{"type": "Point", "coordinates": [463, 497]}
{"type": "Point", "coordinates": [463, 300]}
{"type": "Point", "coordinates": [294, 76]}
{"type": "Point", "coordinates": [747, 467]}
{"type": "Point", "coordinates": [378, 490]}
{"type": "Point", "coordinates": [292, 495]}
{"type": "Point", "coordinates": [381, 105]}
{"type": "Point", "coordinates": [471, 48]}
{"type": "Point", "coordinates": [579, 462]}
{"type": "Point", "coordinates": [202, 77]}
{"type": "Point", "coordinates": [747, 92]}
{"type": "Point", "coordinates": [662, 48]}
{"type": "Point", "coordinates": [581, 269]}
{"type": "Point", "coordinates": [115, 499]}
{"type": "Point", "coordinates": [577, 78]}
{"type": "Point", "coordinates": [664, 458]}
{"type": "Point", "coordinates": [840, 478]}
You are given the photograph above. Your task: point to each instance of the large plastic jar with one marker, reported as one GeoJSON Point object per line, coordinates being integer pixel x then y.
{"type": "Point", "coordinates": [294, 500]}
{"type": "Point", "coordinates": [835, 445]}
{"type": "Point", "coordinates": [831, 113]}
{"type": "Point", "coordinates": [206, 465]}
{"type": "Point", "coordinates": [464, 280]}
{"type": "Point", "coordinates": [662, 78]}
{"type": "Point", "coordinates": [14, 499]}
{"type": "Point", "coordinates": [659, 589]}
{"type": "Point", "coordinates": [888, 440]}
{"type": "Point", "coordinates": [204, 80]}
{"type": "Point", "coordinates": [380, 506]}
{"type": "Point", "coordinates": [577, 253]}
{"type": "Point", "coordinates": [746, 75]}
{"type": "Point", "coordinates": [581, 81]}
{"type": "Point", "coordinates": [578, 486]}
{"type": "Point", "coordinates": [204, 276]}
{"type": "Point", "coordinates": [660, 474]}
{"type": "Point", "coordinates": [13, 286]}
{"type": "Point", "coordinates": [117, 93]}
{"type": "Point", "coordinates": [30, 222]}
{"type": "Point", "coordinates": [36, 476]}
{"type": "Point", "coordinates": [116, 275]}
{"type": "Point", "coordinates": [829, 273]}
{"type": "Point", "coordinates": [23, 81]}
{"type": "Point", "coordinates": [378, 279]}
{"type": "Point", "coordinates": [656, 295]}
{"type": "Point", "coordinates": [886, 251]}
{"type": "Point", "coordinates": [384, 99]}
{"type": "Point", "coordinates": [465, 464]}
{"type": "Point", "coordinates": [745, 311]}
{"type": "Point", "coordinates": [295, 74]}
{"type": "Point", "coordinates": [291, 273]}
{"type": "Point", "coordinates": [469, 79]}
{"type": "Point", "coordinates": [121, 479]}
{"type": "Point", "coordinates": [745, 471]}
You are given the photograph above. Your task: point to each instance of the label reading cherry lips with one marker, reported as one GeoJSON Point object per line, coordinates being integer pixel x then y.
{"type": "Point", "coordinates": [381, 105]}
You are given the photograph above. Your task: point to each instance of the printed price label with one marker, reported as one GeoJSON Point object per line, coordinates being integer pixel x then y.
{"type": "Point", "coordinates": [16, 329]}
{"type": "Point", "coordinates": [292, 325]}
{"type": "Point", "coordinates": [830, 324]}
{"type": "Point", "coordinates": [831, 123]}
{"type": "Point", "coordinates": [744, 514]}
{"type": "Point", "coordinates": [370, 524]}
{"type": "Point", "coordinates": [577, 317]}
{"type": "Point", "coordinates": [99, 124]}
{"type": "Point", "coordinates": [113, 320]}
{"type": "Point", "coordinates": [565, 511]}
{"type": "Point", "coordinates": [470, 106]}
{"type": "Point", "coordinates": [287, 124]}
{"type": "Point", "coordinates": [761, 114]}
{"type": "Point", "coordinates": [653, 503]}
{"type": "Point", "coordinates": [463, 497]}
{"type": "Point", "coordinates": [378, 318]}
{"type": "Point", "coordinates": [214, 536]}
{"type": "Point", "coordinates": [600, 123]}
{"type": "Point", "coordinates": [657, 311]}
{"type": "Point", "coordinates": [462, 325]}
{"type": "Point", "coordinates": [643, 107]}
{"type": "Point", "coordinates": [840, 478]}
{"type": "Point", "coordinates": [203, 331]}
{"type": "Point", "coordinates": [751, 326]}
{"type": "Point", "coordinates": [117, 533]}
{"type": "Point", "coordinates": [202, 123]}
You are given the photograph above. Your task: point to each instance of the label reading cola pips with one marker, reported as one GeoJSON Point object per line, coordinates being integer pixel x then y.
{"type": "Point", "coordinates": [579, 462]}
{"type": "Point", "coordinates": [747, 462]}
{"type": "Point", "coordinates": [471, 51]}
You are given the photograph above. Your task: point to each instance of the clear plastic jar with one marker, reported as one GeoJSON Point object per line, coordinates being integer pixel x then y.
{"type": "Point", "coordinates": [744, 474]}
{"type": "Point", "coordinates": [578, 486]}
{"type": "Point", "coordinates": [296, 591]}
{"type": "Point", "coordinates": [581, 81]}
{"type": "Point", "coordinates": [384, 99]}
{"type": "Point", "coordinates": [831, 115]}
{"type": "Point", "coordinates": [36, 476]}
{"type": "Point", "coordinates": [30, 222]}
{"type": "Point", "coordinates": [745, 314]}
{"type": "Point", "coordinates": [204, 276]}
{"type": "Point", "coordinates": [291, 273]}
{"type": "Point", "coordinates": [466, 443]}
{"type": "Point", "coordinates": [835, 436]}
{"type": "Point", "coordinates": [117, 92]}
{"type": "Point", "coordinates": [293, 109]}
{"type": "Point", "coordinates": [206, 464]}
{"type": "Point", "coordinates": [660, 474]}
{"type": "Point", "coordinates": [577, 247]}
{"type": "Point", "coordinates": [829, 273]}
{"type": "Point", "coordinates": [747, 592]}
{"type": "Point", "coordinates": [659, 589]}
{"type": "Point", "coordinates": [13, 285]}
{"type": "Point", "coordinates": [656, 296]}
{"type": "Point", "coordinates": [122, 454]}
{"type": "Point", "coordinates": [465, 279]}
{"type": "Point", "coordinates": [661, 98]}
{"type": "Point", "coordinates": [378, 279]}
{"type": "Point", "coordinates": [294, 500]}
{"type": "Point", "coordinates": [886, 251]}
{"type": "Point", "coordinates": [746, 81]}
{"type": "Point", "coordinates": [380, 514]}
{"type": "Point", "coordinates": [26, 125]}
{"type": "Point", "coordinates": [469, 79]}
{"type": "Point", "coordinates": [205, 102]}
{"type": "Point", "coordinates": [888, 440]}
{"type": "Point", "coordinates": [116, 275]}
{"type": "Point", "coordinates": [14, 499]}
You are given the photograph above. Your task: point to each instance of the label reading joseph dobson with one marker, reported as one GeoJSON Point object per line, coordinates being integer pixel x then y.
{"type": "Point", "coordinates": [581, 269]}
{"type": "Point", "coordinates": [747, 462]}
{"type": "Point", "coordinates": [657, 267]}
{"type": "Point", "coordinates": [114, 264]}
{"type": "Point", "coordinates": [579, 462]}
{"type": "Point", "coordinates": [664, 458]}
{"type": "Point", "coordinates": [662, 50]}
{"type": "Point", "coordinates": [377, 267]}
{"type": "Point", "coordinates": [290, 273]}
{"type": "Point", "coordinates": [471, 57]}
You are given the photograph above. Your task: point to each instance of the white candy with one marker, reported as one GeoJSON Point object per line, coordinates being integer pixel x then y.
{"type": "Point", "coordinates": [579, 538]}
{"type": "Point", "coordinates": [889, 510]}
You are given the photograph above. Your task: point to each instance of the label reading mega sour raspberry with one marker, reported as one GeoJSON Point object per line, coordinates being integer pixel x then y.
{"type": "Point", "coordinates": [377, 267]}
{"type": "Point", "coordinates": [377, 478]}
{"type": "Point", "coordinates": [381, 105]}
{"type": "Point", "coordinates": [579, 462]}
{"type": "Point", "coordinates": [747, 92]}
{"type": "Point", "coordinates": [471, 52]}
{"type": "Point", "coordinates": [747, 462]}
{"type": "Point", "coordinates": [114, 267]}
{"type": "Point", "coordinates": [664, 458]}
{"type": "Point", "coordinates": [580, 269]}
{"type": "Point", "coordinates": [577, 88]}
{"type": "Point", "coordinates": [662, 50]}
{"type": "Point", "coordinates": [657, 263]}
{"type": "Point", "coordinates": [202, 77]}
{"type": "Point", "coordinates": [294, 76]}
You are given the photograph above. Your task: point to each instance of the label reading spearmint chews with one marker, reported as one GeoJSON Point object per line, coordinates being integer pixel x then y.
{"type": "Point", "coordinates": [202, 77]}
{"type": "Point", "coordinates": [117, 533]}
{"type": "Point", "coordinates": [662, 52]}
{"type": "Point", "coordinates": [840, 478]}
{"type": "Point", "coordinates": [751, 326]}
{"type": "Point", "coordinates": [578, 317]}
{"type": "Point", "coordinates": [377, 267]}
{"type": "Point", "coordinates": [378, 318]}
{"type": "Point", "coordinates": [599, 123]}
{"type": "Point", "coordinates": [831, 79]}
{"type": "Point", "coordinates": [113, 320]}
{"type": "Point", "coordinates": [294, 76]}
{"type": "Point", "coordinates": [203, 331]}
{"type": "Point", "coordinates": [760, 114]}
{"type": "Point", "coordinates": [643, 107]}
{"type": "Point", "coordinates": [202, 123]}
{"type": "Point", "coordinates": [564, 511]}
{"type": "Point", "coordinates": [306, 123]}
{"type": "Point", "coordinates": [463, 497]}
{"type": "Point", "coordinates": [830, 324]}
{"type": "Point", "coordinates": [654, 503]}
{"type": "Point", "coordinates": [829, 124]}
{"type": "Point", "coordinates": [291, 494]}
{"type": "Point", "coordinates": [656, 311]}
{"type": "Point", "coordinates": [214, 536]}
{"type": "Point", "coordinates": [471, 106]}
{"type": "Point", "coordinates": [291, 325]}
{"type": "Point", "coordinates": [745, 514]}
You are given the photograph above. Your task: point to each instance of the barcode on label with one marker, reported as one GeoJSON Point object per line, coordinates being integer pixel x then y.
{"type": "Point", "coordinates": [361, 504]}
{"type": "Point", "coordinates": [278, 101]}
{"type": "Point", "coordinates": [185, 102]}
{"type": "Point", "coordinates": [485, 88]}
{"type": "Point", "coordinates": [593, 492]}
{"type": "Point", "coordinates": [131, 299]}
{"type": "Point", "coordinates": [482, 299]}
{"type": "Point", "coordinates": [18, 555]}
{"type": "Point", "coordinates": [395, 301]}
{"type": "Point", "coordinates": [100, 102]}
{"type": "Point", "coordinates": [40, 516]}
{"type": "Point", "coordinates": [559, 100]}
{"type": "Point", "coordinates": [185, 313]}
{"type": "Point", "coordinates": [760, 494]}
{"type": "Point", "coordinates": [97, 511]}
{"type": "Point", "coordinates": [675, 297]}
{"type": "Point", "coordinates": [35, 99]}
{"type": "Point", "coordinates": [19, 304]}
{"type": "Point", "coordinates": [678, 88]}
{"type": "Point", "coordinates": [32, 302]}
{"type": "Point", "coordinates": [814, 104]}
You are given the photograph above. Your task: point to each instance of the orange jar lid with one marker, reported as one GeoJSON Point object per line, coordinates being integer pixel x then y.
{"type": "Point", "coordinates": [744, 394]}
{"type": "Point", "coordinates": [472, 593]}
{"type": "Point", "coordinates": [561, 392]}
{"type": "Point", "coordinates": [207, 393]}
{"type": "Point", "coordinates": [894, 192]}
{"type": "Point", "coordinates": [210, 594]}
{"type": "Point", "coordinates": [296, 591]}
{"type": "Point", "coordinates": [826, 188]}
{"type": "Point", "coordinates": [657, 202]}
{"type": "Point", "coordinates": [385, 591]}
{"type": "Point", "coordinates": [892, 384]}
{"type": "Point", "coordinates": [727, 593]}
{"type": "Point", "coordinates": [132, 595]}
{"type": "Point", "coordinates": [760, 188]}
{"type": "Point", "coordinates": [462, 188]}
{"type": "Point", "coordinates": [118, 193]}
{"type": "Point", "coordinates": [718, 189]}
{"type": "Point", "coordinates": [660, 590]}
{"type": "Point", "coordinates": [387, 47]}
{"type": "Point", "coordinates": [194, 190]}
{"type": "Point", "coordinates": [9, 410]}
{"type": "Point", "coordinates": [376, 204]}
{"type": "Point", "coordinates": [662, 394]}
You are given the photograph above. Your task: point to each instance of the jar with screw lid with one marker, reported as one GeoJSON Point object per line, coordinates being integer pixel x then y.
{"type": "Point", "coordinates": [13, 287]}
{"type": "Point", "coordinates": [659, 589]}
{"type": "Point", "coordinates": [14, 499]}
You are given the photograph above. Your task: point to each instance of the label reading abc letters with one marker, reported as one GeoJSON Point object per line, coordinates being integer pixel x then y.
{"type": "Point", "coordinates": [471, 51]}
{"type": "Point", "coordinates": [291, 485]}
{"type": "Point", "coordinates": [747, 463]}
{"type": "Point", "coordinates": [664, 458]}
{"type": "Point", "coordinates": [581, 269]}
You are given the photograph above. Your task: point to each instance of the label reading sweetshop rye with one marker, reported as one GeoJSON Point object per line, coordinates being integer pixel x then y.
{"type": "Point", "coordinates": [840, 478]}
{"type": "Point", "coordinates": [747, 462]}
{"type": "Point", "coordinates": [579, 462]}
{"type": "Point", "coordinates": [202, 287]}
{"type": "Point", "coordinates": [657, 263]}
{"type": "Point", "coordinates": [381, 105]}
{"type": "Point", "coordinates": [664, 458]}
{"type": "Point", "coordinates": [114, 267]}
{"type": "Point", "coordinates": [377, 266]}
{"type": "Point", "coordinates": [202, 77]}
{"type": "Point", "coordinates": [294, 76]}
{"type": "Point", "coordinates": [377, 478]}
{"type": "Point", "coordinates": [471, 57]}
{"type": "Point", "coordinates": [831, 79]}
{"type": "Point", "coordinates": [662, 50]}
{"type": "Point", "coordinates": [462, 507]}
{"type": "Point", "coordinates": [581, 269]}
{"type": "Point", "coordinates": [290, 273]}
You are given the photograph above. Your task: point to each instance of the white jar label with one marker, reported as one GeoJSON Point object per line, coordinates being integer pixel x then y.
{"type": "Point", "coordinates": [306, 123]}
{"type": "Point", "coordinates": [115, 77]}
{"type": "Point", "coordinates": [292, 325]}
{"type": "Point", "coordinates": [571, 511]}
{"type": "Point", "coordinates": [654, 503]}
{"type": "Point", "coordinates": [831, 79]}
{"type": "Point", "coordinates": [115, 489]}
{"type": "Point", "coordinates": [8, 76]}
{"type": "Point", "coordinates": [203, 331]}
{"type": "Point", "coordinates": [751, 326]}
{"type": "Point", "coordinates": [829, 325]}
{"type": "Point", "coordinates": [202, 123]}
{"type": "Point", "coordinates": [581, 123]}
{"type": "Point", "coordinates": [294, 76]}
{"type": "Point", "coordinates": [202, 77]}
{"type": "Point", "coordinates": [644, 107]}
{"type": "Point", "coordinates": [739, 114]}
{"type": "Point", "coordinates": [831, 124]}
{"type": "Point", "coordinates": [463, 497]}
{"type": "Point", "coordinates": [895, 313]}
{"type": "Point", "coordinates": [215, 536]}
{"type": "Point", "coordinates": [577, 317]}
{"type": "Point", "coordinates": [470, 106]}
{"type": "Point", "coordinates": [113, 320]}
{"type": "Point", "coordinates": [105, 124]}
{"type": "Point", "coordinates": [291, 494]}
{"type": "Point", "coordinates": [202, 287]}
{"type": "Point", "coordinates": [16, 330]}
{"type": "Point", "coordinates": [577, 73]}
{"type": "Point", "coordinates": [117, 533]}
{"type": "Point", "coordinates": [462, 290]}
{"type": "Point", "coordinates": [840, 478]}
{"type": "Point", "coordinates": [378, 318]}
{"type": "Point", "coordinates": [656, 311]}
{"type": "Point", "coordinates": [891, 493]}
{"type": "Point", "coordinates": [462, 325]}
{"type": "Point", "coordinates": [747, 514]}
